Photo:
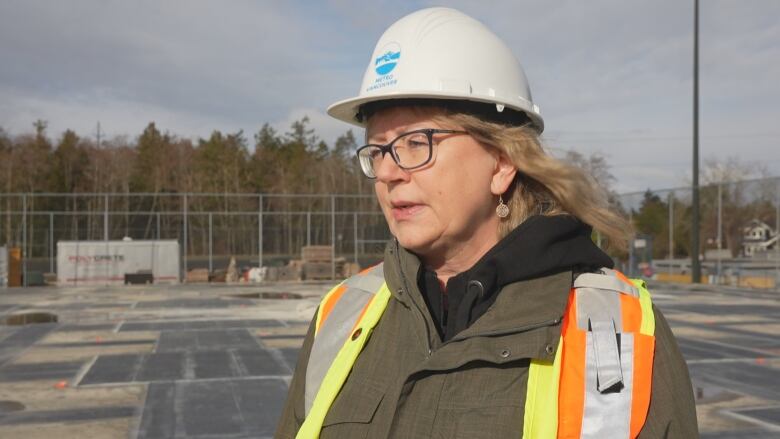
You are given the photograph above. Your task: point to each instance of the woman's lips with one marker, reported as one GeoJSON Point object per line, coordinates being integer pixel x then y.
{"type": "Point", "coordinates": [405, 211]}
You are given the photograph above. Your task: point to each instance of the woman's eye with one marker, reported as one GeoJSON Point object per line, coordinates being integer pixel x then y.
{"type": "Point", "coordinates": [417, 142]}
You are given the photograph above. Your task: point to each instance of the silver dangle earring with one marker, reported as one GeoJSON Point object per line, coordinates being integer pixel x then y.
{"type": "Point", "coordinates": [502, 210]}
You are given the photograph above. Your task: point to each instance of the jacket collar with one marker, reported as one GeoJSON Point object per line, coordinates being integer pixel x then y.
{"type": "Point", "coordinates": [521, 304]}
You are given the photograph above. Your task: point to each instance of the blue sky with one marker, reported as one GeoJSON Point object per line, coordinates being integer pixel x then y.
{"type": "Point", "coordinates": [610, 76]}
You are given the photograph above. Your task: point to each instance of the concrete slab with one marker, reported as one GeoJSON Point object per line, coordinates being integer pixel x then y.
{"type": "Point", "coordinates": [191, 325]}
{"type": "Point", "coordinates": [22, 339]}
{"type": "Point", "coordinates": [219, 408]}
{"type": "Point", "coordinates": [206, 340]}
{"type": "Point", "coordinates": [769, 416]}
{"type": "Point", "coordinates": [72, 327]}
{"type": "Point", "coordinates": [39, 371]}
{"type": "Point", "coordinates": [67, 415]}
{"type": "Point", "coordinates": [260, 363]}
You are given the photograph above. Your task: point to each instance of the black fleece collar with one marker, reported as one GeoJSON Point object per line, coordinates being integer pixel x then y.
{"type": "Point", "coordinates": [540, 246]}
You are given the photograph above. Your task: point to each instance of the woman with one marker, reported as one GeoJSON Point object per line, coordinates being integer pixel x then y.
{"type": "Point", "coordinates": [493, 315]}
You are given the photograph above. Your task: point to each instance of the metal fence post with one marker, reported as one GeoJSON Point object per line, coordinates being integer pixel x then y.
{"type": "Point", "coordinates": [333, 236]}
{"type": "Point", "coordinates": [308, 227]}
{"type": "Point", "coordinates": [51, 243]}
{"type": "Point", "coordinates": [355, 238]}
{"type": "Point", "coordinates": [158, 226]}
{"type": "Point", "coordinates": [105, 217]}
{"type": "Point", "coordinates": [260, 230]}
{"type": "Point", "coordinates": [184, 234]}
{"type": "Point", "coordinates": [24, 240]}
{"type": "Point", "coordinates": [720, 231]}
{"type": "Point", "coordinates": [211, 266]}
{"type": "Point", "coordinates": [671, 231]}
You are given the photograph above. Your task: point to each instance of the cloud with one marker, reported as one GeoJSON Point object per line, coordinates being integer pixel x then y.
{"type": "Point", "coordinates": [610, 76]}
{"type": "Point", "coordinates": [117, 117]}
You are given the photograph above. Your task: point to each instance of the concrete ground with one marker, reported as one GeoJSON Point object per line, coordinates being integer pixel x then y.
{"type": "Point", "coordinates": [201, 361]}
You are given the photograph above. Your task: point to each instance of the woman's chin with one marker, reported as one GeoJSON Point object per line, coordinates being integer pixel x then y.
{"type": "Point", "coordinates": [415, 242]}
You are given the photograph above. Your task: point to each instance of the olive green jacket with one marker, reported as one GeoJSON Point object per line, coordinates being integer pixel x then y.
{"type": "Point", "coordinates": [407, 384]}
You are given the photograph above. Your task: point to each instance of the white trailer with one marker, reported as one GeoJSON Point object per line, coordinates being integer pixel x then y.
{"type": "Point", "coordinates": [107, 262]}
{"type": "Point", "coordinates": [3, 266]}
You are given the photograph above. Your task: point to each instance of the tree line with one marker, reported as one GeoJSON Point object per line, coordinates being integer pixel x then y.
{"type": "Point", "coordinates": [296, 161]}
{"type": "Point", "coordinates": [729, 185]}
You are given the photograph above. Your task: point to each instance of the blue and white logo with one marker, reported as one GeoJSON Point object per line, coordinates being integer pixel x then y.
{"type": "Point", "coordinates": [388, 59]}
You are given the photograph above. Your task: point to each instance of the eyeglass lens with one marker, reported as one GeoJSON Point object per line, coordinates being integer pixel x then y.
{"type": "Point", "coordinates": [409, 151]}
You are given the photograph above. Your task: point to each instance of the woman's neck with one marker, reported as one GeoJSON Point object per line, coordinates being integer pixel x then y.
{"type": "Point", "coordinates": [456, 259]}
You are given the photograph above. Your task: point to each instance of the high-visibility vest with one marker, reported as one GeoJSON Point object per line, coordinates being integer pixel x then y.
{"type": "Point", "coordinates": [597, 386]}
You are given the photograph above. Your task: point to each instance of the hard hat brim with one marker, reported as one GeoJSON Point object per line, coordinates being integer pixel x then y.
{"type": "Point", "coordinates": [347, 110]}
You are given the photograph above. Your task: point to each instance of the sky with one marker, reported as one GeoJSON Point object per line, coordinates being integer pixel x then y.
{"type": "Point", "coordinates": [611, 77]}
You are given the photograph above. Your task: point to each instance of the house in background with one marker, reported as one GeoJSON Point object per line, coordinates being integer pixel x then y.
{"type": "Point", "coordinates": [757, 238]}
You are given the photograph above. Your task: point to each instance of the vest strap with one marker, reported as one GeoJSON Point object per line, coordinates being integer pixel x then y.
{"type": "Point", "coordinates": [605, 349]}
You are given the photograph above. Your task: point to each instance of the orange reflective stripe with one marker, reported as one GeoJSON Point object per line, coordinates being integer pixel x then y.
{"type": "Point", "coordinates": [644, 348]}
{"type": "Point", "coordinates": [631, 313]}
{"type": "Point", "coordinates": [571, 394]}
{"type": "Point", "coordinates": [366, 270]}
{"type": "Point", "coordinates": [622, 277]}
{"type": "Point", "coordinates": [328, 305]}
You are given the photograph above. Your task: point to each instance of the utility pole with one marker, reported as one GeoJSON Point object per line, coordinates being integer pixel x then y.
{"type": "Point", "coordinates": [720, 230]}
{"type": "Point", "coordinates": [695, 263]}
{"type": "Point", "coordinates": [671, 230]}
{"type": "Point", "coordinates": [98, 135]}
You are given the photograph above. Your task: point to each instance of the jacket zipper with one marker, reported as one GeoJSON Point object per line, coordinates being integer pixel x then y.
{"type": "Point", "coordinates": [416, 306]}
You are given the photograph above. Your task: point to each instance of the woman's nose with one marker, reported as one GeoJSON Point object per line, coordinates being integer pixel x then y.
{"type": "Point", "coordinates": [386, 170]}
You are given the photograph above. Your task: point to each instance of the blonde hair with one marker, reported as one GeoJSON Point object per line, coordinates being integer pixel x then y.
{"type": "Point", "coordinates": [543, 185]}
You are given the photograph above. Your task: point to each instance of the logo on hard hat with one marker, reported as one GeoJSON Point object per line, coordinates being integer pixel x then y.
{"type": "Point", "coordinates": [388, 59]}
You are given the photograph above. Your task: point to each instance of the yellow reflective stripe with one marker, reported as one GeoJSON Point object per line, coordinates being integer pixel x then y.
{"type": "Point", "coordinates": [648, 317]}
{"type": "Point", "coordinates": [342, 365]}
{"type": "Point", "coordinates": [541, 402]}
{"type": "Point", "coordinates": [319, 310]}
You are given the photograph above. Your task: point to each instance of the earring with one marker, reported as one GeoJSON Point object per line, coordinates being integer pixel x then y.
{"type": "Point", "coordinates": [502, 210]}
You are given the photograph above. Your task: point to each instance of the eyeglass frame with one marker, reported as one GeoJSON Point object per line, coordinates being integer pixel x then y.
{"type": "Point", "coordinates": [388, 148]}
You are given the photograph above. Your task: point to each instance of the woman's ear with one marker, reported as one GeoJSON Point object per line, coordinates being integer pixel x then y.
{"type": "Point", "coordinates": [503, 174]}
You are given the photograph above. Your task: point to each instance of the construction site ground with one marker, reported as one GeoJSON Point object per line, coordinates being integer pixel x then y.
{"type": "Point", "coordinates": [214, 361]}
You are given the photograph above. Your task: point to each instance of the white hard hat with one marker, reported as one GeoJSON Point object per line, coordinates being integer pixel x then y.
{"type": "Point", "coordinates": [442, 53]}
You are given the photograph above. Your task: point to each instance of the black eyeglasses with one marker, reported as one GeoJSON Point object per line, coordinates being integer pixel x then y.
{"type": "Point", "coordinates": [410, 150]}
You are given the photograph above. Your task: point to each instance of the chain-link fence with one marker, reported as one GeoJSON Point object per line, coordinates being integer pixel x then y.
{"type": "Point", "coordinates": [738, 235]}
{"type": "Point", "coordinates": [256, 229]}
{"type": "Point", "coordinates": [739, 224]}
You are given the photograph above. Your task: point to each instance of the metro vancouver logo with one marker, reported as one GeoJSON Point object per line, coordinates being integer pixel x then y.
{"type": "Point", "coordinates": [387, 62]}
